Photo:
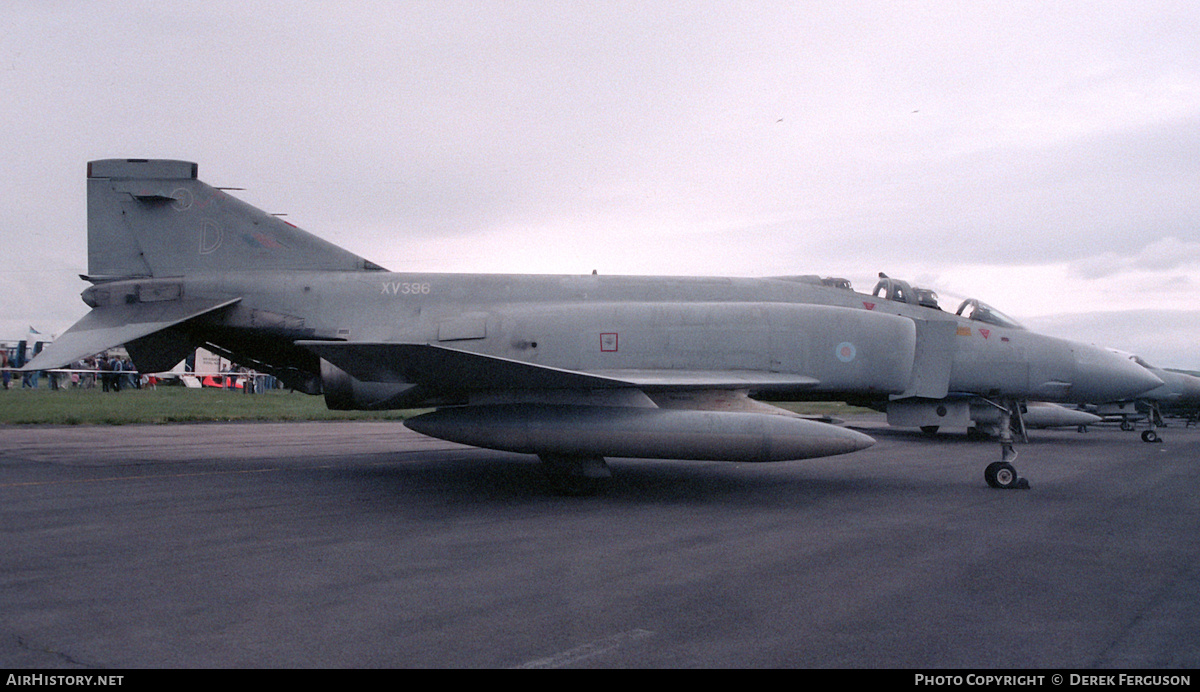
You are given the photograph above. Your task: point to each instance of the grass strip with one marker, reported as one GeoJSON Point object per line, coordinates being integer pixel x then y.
{"type": "Point", "coordinates": [77, 406]}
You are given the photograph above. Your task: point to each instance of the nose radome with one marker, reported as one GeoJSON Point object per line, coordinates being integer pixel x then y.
{"type": "Point", "coordinates": [1101, 376]}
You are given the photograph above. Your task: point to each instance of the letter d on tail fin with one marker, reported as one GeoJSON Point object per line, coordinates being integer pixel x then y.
{"type": "Point", "coordinates": [155, 218]}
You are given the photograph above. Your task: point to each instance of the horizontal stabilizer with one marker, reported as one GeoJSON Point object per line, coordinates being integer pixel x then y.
{"type": "Point", "coordinates": [113, 325]}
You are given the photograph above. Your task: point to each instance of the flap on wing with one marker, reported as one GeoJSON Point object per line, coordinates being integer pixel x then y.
{"type": "Point", "coordinates": [113, 325]}
{"type": "Point", "coordinates": [448, 368]}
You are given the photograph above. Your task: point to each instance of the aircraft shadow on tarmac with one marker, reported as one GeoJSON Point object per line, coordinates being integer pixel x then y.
{"type": "Point", "coordinates": [481, 476]}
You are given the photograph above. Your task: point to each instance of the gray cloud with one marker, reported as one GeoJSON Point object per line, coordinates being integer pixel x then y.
{"type": "Point", "coordinates": [1160, 255]}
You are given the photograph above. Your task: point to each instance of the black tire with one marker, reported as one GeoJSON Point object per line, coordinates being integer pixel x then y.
{"type": "Point", "coordinates": [1001, 474]}
{"type": "Point", "coordinates": [1126, 424]}
{"type": "Point", "coordinates": [930, 430]}
{"type": "Point", "coordinates": [1149, 436]}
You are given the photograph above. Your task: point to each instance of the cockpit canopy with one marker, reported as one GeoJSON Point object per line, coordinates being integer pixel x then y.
{"type": "Point", "coordinates": [972, 309]}
{"type": "Point", "coordinates": [979, 311]}
{"type": "Point", "coordinates": [900, 291]}
{"type": "Point", "coordinates": [1134, 357]}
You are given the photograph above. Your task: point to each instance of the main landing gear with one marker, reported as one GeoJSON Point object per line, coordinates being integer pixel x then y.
{"type": "Point", "coordinates": [1154, 421]}
{"type": "Point", "coordinates": [1002, 474]}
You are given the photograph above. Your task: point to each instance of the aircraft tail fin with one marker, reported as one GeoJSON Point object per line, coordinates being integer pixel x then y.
{"type": "Point", "coordinates": [154, 217]}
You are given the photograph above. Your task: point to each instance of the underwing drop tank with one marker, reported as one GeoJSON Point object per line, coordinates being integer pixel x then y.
{"type": "Point", "coordinates": [650, 433]}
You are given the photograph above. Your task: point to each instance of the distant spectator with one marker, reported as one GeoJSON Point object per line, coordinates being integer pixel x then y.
{"type": "Point", "coordinates": [130, 376]}
{"type": "Point", "coordinates": [88, 379]}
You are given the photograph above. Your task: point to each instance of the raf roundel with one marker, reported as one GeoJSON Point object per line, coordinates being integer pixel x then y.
{"type": "Point", "coordinates": [845, 351]}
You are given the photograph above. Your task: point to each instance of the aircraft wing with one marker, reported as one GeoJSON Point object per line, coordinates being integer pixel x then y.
{"type": "Point", "coordinates": [113, 325]}
{"type": "Point", "coordinates": [453, 369]}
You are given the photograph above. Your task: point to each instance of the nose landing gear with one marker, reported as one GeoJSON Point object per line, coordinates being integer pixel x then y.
{"type": "Point", "coordinates": [1002, 474]}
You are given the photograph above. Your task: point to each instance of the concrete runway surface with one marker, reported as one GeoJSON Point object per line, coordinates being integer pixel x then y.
{"type": "Point", "coordinates": [361, 544]}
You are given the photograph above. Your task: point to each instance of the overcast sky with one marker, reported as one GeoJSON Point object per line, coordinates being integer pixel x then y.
{"type": "Point", "coordinates": [1043, 157]}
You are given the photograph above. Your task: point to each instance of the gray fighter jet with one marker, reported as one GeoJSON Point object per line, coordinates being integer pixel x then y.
{"type": "Point", "coordinates": [570, 368]}
{"type": "Point", "coordinates": [1179, 394]}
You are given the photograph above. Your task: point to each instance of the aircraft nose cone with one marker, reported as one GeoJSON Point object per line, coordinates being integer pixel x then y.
{"type": "Point", "coordinates": [1102, 376]}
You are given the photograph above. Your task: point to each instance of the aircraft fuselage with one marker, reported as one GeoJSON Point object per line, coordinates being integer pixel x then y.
{"type": "Point", "coordinates": [850, 343]}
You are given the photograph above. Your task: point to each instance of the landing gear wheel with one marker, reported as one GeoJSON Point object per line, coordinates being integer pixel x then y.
{"type": "Point", "coordinates": [1001, 474]}
{"type": "Point", "coordinates": [930, 430]}
{"type": "Point", "coordinates": [1150, 436]}
{"type": "Point", "coordinates": [1126, 424]}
